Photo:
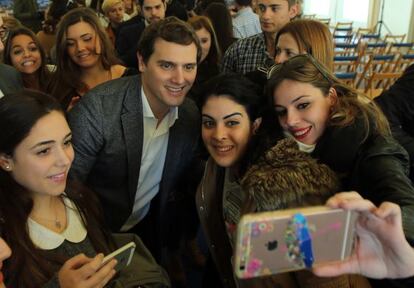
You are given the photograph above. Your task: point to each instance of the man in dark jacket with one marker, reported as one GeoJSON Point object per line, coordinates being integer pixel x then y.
{"type": "Point", "coordinates": [136, 137]}
{"type": "Point", "coordinates": [398, 105]}
{"type": "Point", "coordinates": [130, 32]}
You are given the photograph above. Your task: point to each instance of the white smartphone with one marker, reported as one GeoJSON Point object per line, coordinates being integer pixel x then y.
{"type": "Point", "coordinates": [287, 240]}
{"type": "Point", "coordinates": [123, 256]}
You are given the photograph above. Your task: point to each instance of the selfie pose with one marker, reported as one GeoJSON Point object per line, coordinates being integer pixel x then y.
{"type": "Point", "coordinates": [55, 230]}
{"type": "Point", "coordinates": [376, 255]}
{"type": "Point", "coordinates": [343, 130]}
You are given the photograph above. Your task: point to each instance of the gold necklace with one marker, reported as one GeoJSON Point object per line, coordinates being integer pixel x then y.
{"type": "Point", "coordinates": [57, 223]}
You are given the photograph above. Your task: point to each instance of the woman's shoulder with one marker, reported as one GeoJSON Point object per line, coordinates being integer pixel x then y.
{"type": "Point", "coordinates": [379, 145]}
{"type": "Point", "coordinates": [117, 71]}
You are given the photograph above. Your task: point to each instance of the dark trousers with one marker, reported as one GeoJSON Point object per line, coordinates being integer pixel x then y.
{"type": "Point", "coordinates": [148, 230]}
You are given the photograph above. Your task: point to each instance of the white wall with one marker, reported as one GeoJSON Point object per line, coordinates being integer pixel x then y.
{"type": "Point", "coordinates": [397, 16]}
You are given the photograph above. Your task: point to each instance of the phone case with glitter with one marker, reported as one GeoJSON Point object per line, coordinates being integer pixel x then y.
{"type": "Point", "coordinates": [287, 240]}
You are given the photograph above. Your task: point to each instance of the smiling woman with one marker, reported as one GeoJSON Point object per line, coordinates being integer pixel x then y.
{"type": "Point", "coordinates": [55, 230]}
{"type": "Point", "coordinates": [342, 129]}
{"type": "Point", "coordinates": [230, 107]}
{"type": "Point", "coordinates": [85, 57]}
{"type": "Point", "coordinates": [24, 52]}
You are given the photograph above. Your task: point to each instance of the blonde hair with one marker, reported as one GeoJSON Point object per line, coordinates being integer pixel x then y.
{"type": "Point", "coordinates": [108, 4]}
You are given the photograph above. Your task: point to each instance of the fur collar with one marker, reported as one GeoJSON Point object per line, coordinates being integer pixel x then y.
{"type": "Point", "coordinates": [286, 177]}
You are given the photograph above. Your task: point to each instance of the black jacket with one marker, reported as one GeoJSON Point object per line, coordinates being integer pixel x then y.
{"type": "Point", "coordinates": [374, 166]}
{"type": "Point", "coordinates": [127, 40]}
{"type": "Point", "coordinates": [398, 105]}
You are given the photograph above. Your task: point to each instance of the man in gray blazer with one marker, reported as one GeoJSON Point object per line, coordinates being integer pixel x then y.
{"type": "Point", "coordinates": [136, 136]}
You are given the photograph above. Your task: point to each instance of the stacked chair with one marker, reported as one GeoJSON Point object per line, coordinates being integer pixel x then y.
{"type": "Point", "coordinates": [367, 61]}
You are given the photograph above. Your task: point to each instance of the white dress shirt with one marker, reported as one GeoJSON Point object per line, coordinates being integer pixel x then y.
{"type": "Point", "coordinates": [154, 150]}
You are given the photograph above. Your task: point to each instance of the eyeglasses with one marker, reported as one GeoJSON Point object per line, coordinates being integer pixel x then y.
{"type": "Point", "coordinates": [296, 62]}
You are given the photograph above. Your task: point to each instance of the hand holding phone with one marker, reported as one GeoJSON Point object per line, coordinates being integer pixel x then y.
{"type": "Point", "coordinates": [122, 255]}
{"type": "Point", "coordinates": [287, 240]}
{"type": "Point", "coordinates": [377, 254]}
{"type": "Point", "coordinates": [81, 271]}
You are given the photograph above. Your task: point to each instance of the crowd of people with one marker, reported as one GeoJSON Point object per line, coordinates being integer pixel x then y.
{"type": "Point", "coordinates": [144, 122]}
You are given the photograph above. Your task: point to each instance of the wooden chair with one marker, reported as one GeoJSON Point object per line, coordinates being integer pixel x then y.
{"type": "Point", "coordinates": [343, 28]}
{"type": "Point", "coordinates": [378, 48]}
{"type": "Point", "coordinates": [364, 31]}
{"type": "Point", "coordinates": [345, 68]}
{"type": "Point", "coordinates": [379, 81]}
{"type": "Point", "coordinates": [309, 16]}
{"type": "Point", "coordinates": [389, 38]}
{"type": "Point", "coordinates": [405, 61]}
{"type": "Point", "coordinates": [346, 64]}
{"type": "Point", "coordinates": [376, 64]}
{"type": "Point", "coordinates": [343, 38]}
{"type": "Point", "coordinates": [326, 21]}
{"type": "Point", "coordinates": [403, 47]}
{"type": "Point", "coordinates": [346, 49]}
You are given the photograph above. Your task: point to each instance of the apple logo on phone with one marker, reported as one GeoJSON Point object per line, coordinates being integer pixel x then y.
{"type": "Point", "coordinates": [271, 245]}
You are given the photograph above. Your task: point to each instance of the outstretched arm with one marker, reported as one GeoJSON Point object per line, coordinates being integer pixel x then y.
{"type": "Point", "coordinates": [381, 250]}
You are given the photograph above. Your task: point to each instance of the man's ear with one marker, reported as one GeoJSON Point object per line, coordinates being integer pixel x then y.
{"type": "Point", "coordinates": [141, 64]}
{"type": "Point", "coordinates": [6, 162]}
{"type": "Point", "coordinates": [256, 125]}
{"type": "Point", "coordinates": [293, 11]}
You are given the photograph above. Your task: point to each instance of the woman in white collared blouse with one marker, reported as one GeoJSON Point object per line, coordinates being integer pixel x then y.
{"type": "Point", "coordinates": [54, 230]}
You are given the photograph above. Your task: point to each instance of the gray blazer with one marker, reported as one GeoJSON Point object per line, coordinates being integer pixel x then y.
{"type": "Point", "coordinates": [107, 136]}
{"type": "Point", "coordinates": [10, 79]}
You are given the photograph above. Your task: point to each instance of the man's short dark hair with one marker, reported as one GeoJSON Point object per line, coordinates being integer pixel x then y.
{"type": "Point", "coordinates": [141, 2]}
{"type": "Point", "coordinates": [243, 2]}
{"type": "Point", "coordinates": [170, 29]}
{"type": "Point", "coordinates": [292, 2]}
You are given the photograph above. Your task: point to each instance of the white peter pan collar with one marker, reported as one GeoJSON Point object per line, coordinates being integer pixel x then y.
{"type": "Point", "coordinates": [46, 239]}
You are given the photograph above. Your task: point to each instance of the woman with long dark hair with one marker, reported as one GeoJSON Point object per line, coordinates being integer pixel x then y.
{"type": "Point", "coordinates": [220, 17]}
{"type": "Point", "coordinates": [55, 231]}
{"type": "Point", "coordinates": [208, 66]}
{"type": "Point", "coordinates": [24, 51]}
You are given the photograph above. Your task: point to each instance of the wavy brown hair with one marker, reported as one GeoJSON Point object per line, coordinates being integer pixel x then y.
{"type": "Point", "coordinates": [30, 266]}
{"type": "Point", "coordinates": [67, 78]}
{"type": "Point", "coordinates": [350, 103]}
